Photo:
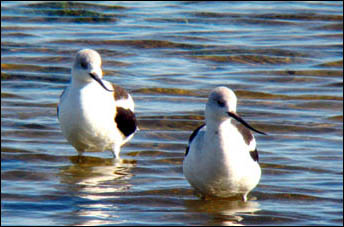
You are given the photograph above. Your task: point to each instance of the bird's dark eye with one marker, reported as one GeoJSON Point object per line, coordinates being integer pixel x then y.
{"type": "Point", "coordinates": [83, 65]}
{"type": "Point", "coordinates": [221, 103]}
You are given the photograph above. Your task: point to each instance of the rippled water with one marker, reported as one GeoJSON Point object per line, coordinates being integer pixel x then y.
{"type": "Point", "coordinates": [284, 60]}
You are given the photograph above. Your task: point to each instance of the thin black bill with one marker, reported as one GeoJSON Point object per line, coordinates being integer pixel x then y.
{"type": "Point", "coordinates": [238, 118]}
{"type": "Point", "coordinates": [96, 78]}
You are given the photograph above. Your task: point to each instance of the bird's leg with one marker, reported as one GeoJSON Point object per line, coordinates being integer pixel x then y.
{"type": "Point", "coordinates": [79, 159]}
{"type": "Point", "coordinates": [115, 151]}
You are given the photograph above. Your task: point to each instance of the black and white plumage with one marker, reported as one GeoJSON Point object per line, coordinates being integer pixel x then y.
{"type": "Point", "coordinates": [221, 159]}
{"type": "Point", "coordinates": [94, 114]}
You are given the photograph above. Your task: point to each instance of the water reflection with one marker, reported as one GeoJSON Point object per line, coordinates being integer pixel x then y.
{"type": "Point", "coordinates": [97, 178]}
{"type": "Point", "coordinates": [94, 180]}
{"type": "Point", "coordinates": [224, 211]}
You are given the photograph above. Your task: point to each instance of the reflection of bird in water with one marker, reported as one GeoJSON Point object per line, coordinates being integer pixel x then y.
{"type": "Point", "coordinates": [226, 211]}
{"type": "Point", "coordinates": [95, 176]}
{"type": "Point", "coordinates": [94, 114]}
{"type": "Point", "coordinates": [221, 159]}
{"type": "Point", "coordinates": [94, 183]}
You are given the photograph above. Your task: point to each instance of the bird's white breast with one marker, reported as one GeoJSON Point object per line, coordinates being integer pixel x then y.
{"type": "Point", "coordinates": [87, 116]}
{"type": "Point", "coordinates": [219, 162]}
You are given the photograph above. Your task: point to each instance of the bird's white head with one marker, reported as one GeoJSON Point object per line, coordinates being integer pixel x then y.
{"type": "Point", "coordinates": [221, 106]}
{"type": "Point", "coordinates": [87, 61]}
{"type": "Point", "coordinates": [221, 101]}
{"type": "Point", "coordinates": [87, 67]}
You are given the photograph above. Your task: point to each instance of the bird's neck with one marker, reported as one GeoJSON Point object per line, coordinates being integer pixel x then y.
{"type": "Point", "coordinates": [213, 126]}
{"type": "Point", "coordinates": [76, 83]}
